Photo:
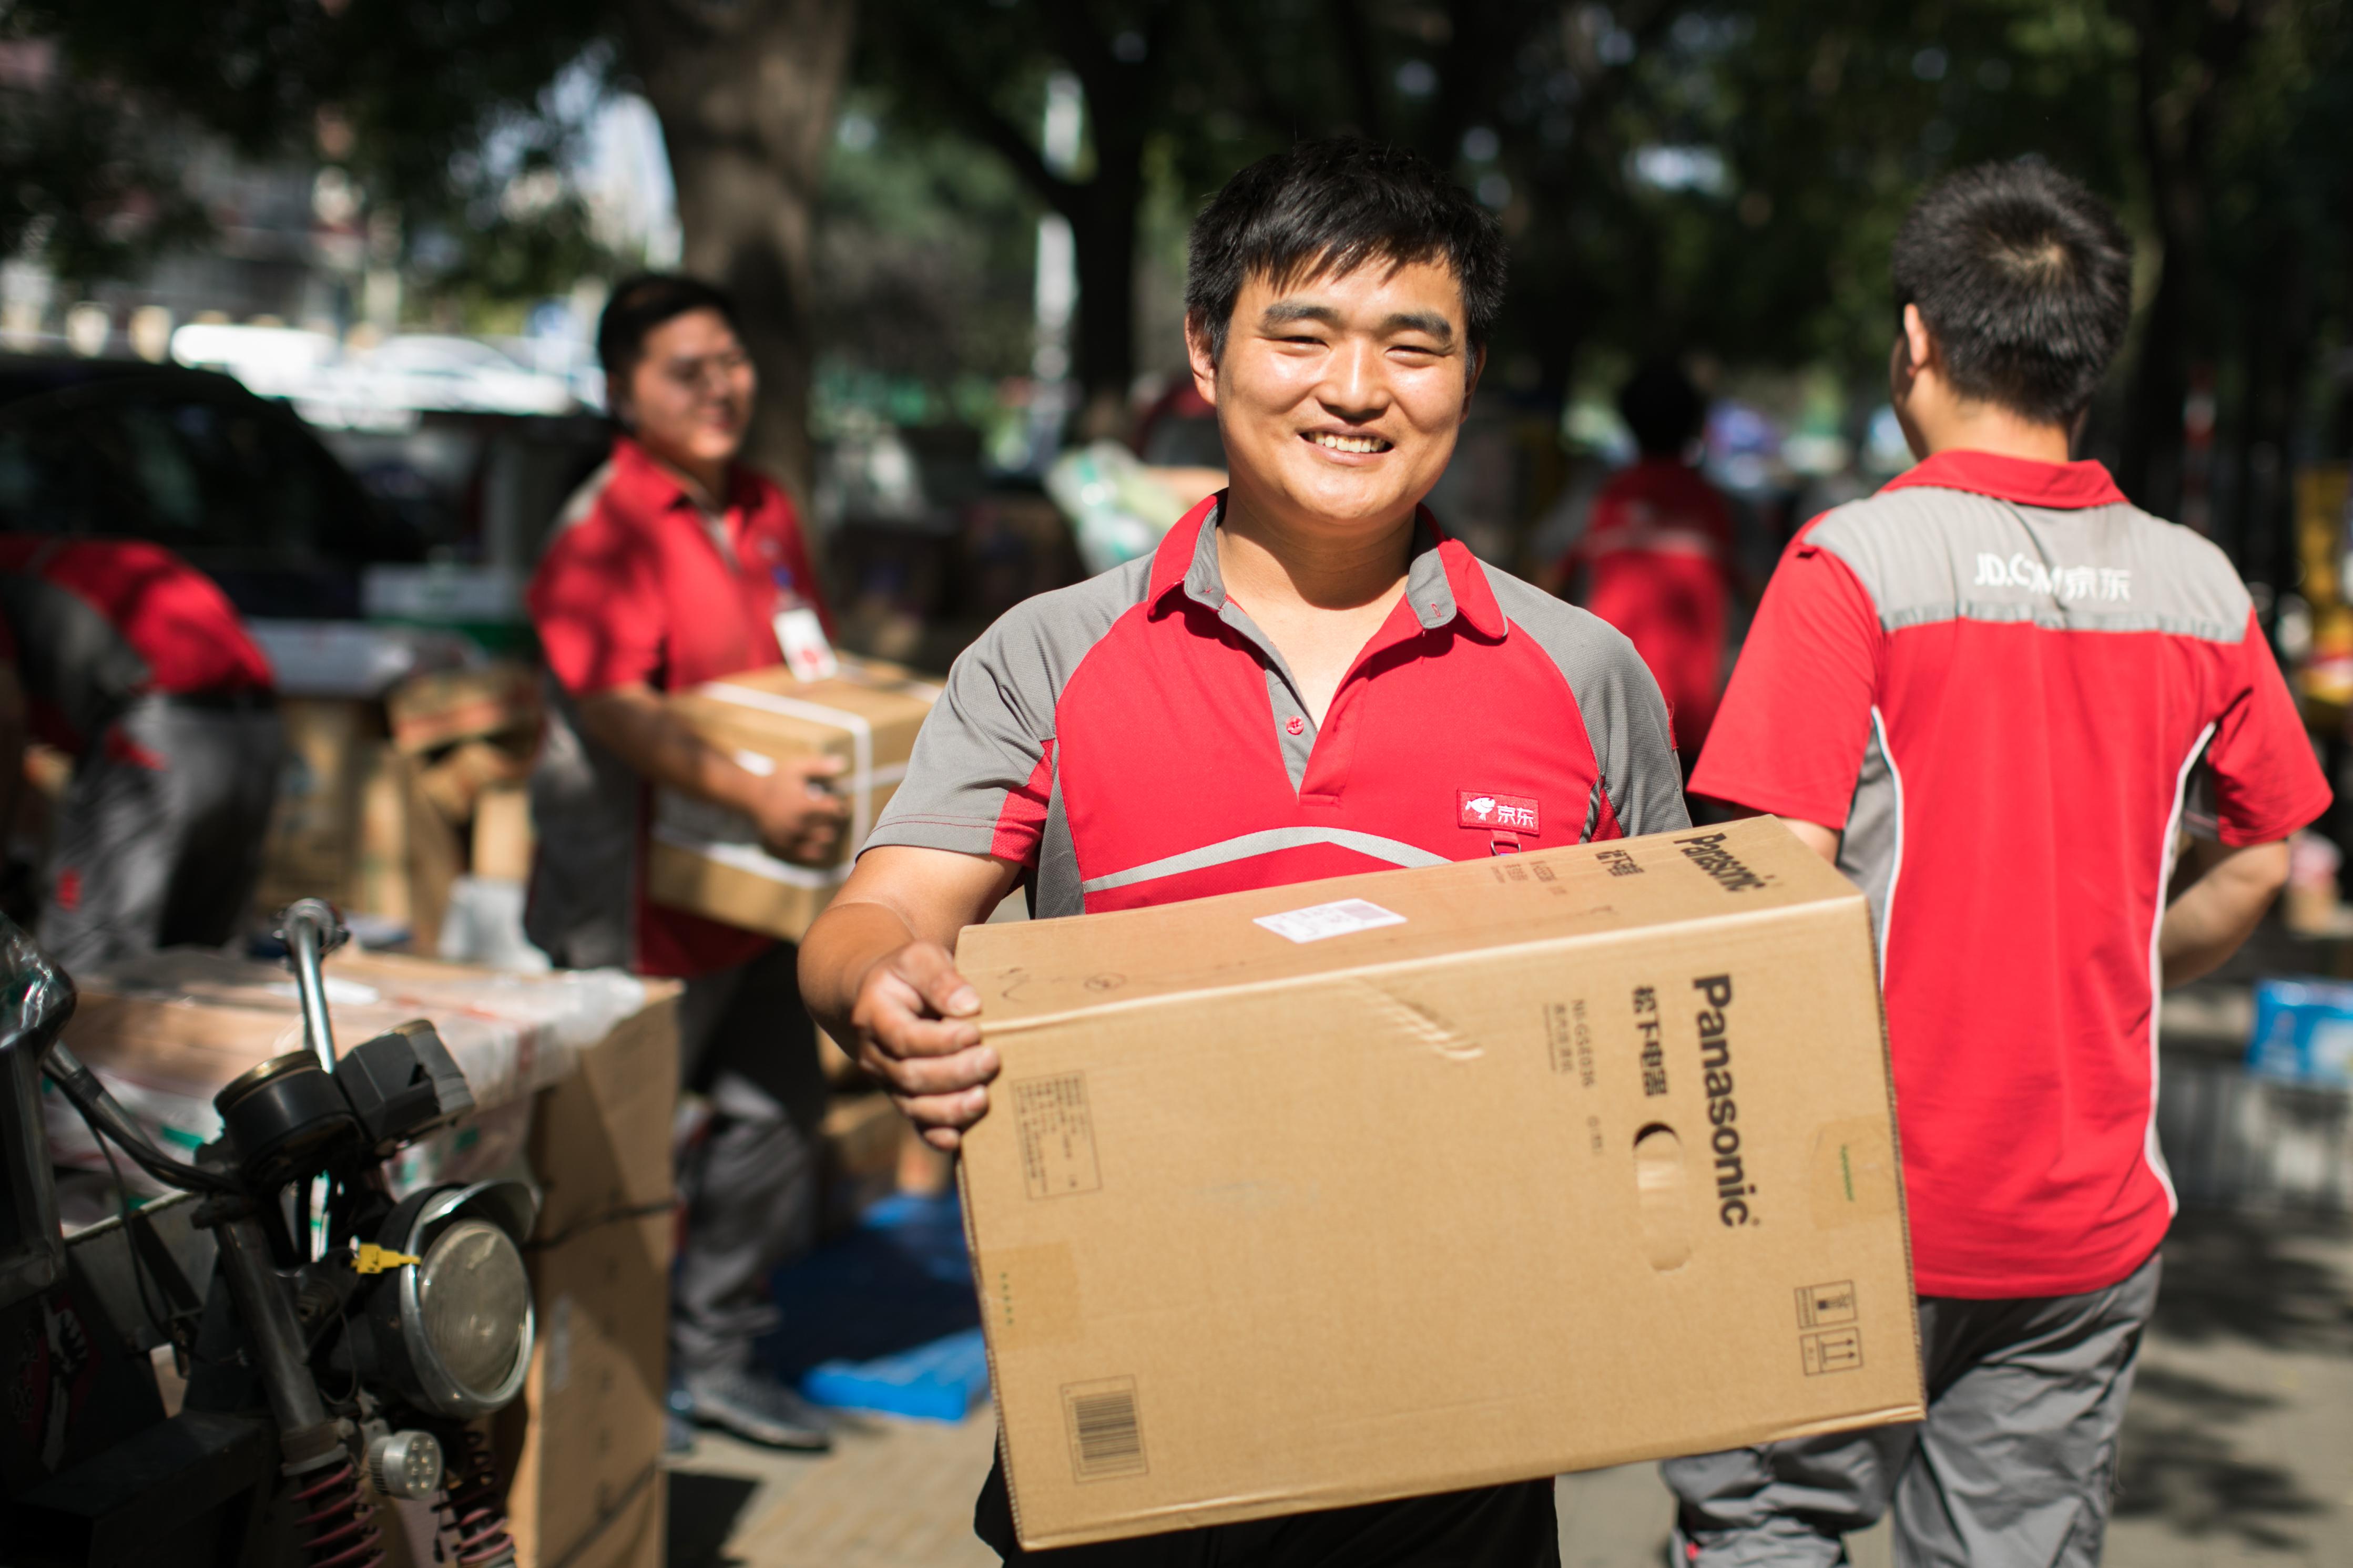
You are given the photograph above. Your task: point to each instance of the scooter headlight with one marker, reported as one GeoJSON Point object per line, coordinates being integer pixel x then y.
{"type": "Point", "coordinates": [475, 1306]}
{"type": "Point", "coordinates": [451, 1333]}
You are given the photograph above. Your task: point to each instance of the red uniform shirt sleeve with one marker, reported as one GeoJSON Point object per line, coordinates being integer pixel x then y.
{"type": "Point", "coordinates": [2267, 782]}
{"type": "Point", "coordinates": [595, 601]}
{"type": "Point", "coordinates": [1789, 736]}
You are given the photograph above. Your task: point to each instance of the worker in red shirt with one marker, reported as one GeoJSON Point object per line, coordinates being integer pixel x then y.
{"type": "Point", "coordinates": [1658, 555]}
{"type": "Point", "coordinates": [1306, 679]}
{"type": "Point", "coordinates": [1988, 694]}
{"type": "Point", "coordinates": [673, 566]}
{"type": "Point", "coordinates": [135, 664]}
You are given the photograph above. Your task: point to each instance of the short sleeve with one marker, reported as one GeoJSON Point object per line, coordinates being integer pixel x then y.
{"type": "Point", "coordinates": [1789, 735]}
{"type": "Point", "coordinates": [2265, 780]}
{"type": "Point", "coordinates": [594, 603]}
{"type": "Point", "coordinates": [982, 774]}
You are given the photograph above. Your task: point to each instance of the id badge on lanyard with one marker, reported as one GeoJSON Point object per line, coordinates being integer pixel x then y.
{"type": "Point", "coordinates": [801, 635]}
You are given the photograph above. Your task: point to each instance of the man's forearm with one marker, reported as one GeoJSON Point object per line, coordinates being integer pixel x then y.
{"type": "Point", "coordinates": [637, 726]}
{"type": "Point", "coordinates": [2216, 913]}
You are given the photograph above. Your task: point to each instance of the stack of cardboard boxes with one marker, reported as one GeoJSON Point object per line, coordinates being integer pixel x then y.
{"type": "Point", "coordinates": [383, 804]}
{"type": "Point", "coordinates": [580, 1447]}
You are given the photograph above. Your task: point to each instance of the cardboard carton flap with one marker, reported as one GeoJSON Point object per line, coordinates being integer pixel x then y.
{"type": "Point", "coordinates": [1028, 974]}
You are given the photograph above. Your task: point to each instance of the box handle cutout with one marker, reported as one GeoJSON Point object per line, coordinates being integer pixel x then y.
{"type": "Point", "coordinates": [1659, 1186]}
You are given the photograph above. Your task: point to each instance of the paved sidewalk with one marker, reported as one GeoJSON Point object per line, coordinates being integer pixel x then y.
{"type": "Point", "coordinates": [2237, 1449]}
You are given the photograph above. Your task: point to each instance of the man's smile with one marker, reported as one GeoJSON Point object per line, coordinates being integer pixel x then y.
{"type": "Point", "coordinates": [1332, 440]}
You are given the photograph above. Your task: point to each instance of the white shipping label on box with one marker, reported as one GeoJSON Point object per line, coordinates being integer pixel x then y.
{"type": "Point", "coordinates": [1317, 922]}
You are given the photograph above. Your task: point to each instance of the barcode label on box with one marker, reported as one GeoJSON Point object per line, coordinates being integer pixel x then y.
{"type": "Point", "coordinates": [1106, 1433]}
{"type": "Point", "coordinates": [1058, 1135]}
{"type": "Point", "coordinates": [1317, 922]}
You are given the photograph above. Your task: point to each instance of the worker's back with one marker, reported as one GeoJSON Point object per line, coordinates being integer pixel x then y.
{"type": "Point", "coordinates": [2010, 674]}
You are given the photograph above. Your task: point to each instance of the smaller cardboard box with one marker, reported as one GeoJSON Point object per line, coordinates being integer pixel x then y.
{"type": "Point", "coordinates": [708, 859]}
{"type": "Point", "coordinates": [429, 712]}
{"type": "Point", "coordinates": [1404, 1183]}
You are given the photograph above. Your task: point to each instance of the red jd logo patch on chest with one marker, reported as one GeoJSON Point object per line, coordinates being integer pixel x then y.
{"type": "Point", "coordinates": [1505, 813]}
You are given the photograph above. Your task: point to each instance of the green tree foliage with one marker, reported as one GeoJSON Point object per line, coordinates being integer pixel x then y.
{"type": "Point", "coordinates": [405, 94]}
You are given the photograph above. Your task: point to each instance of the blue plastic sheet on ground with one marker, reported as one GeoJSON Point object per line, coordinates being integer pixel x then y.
{"type": "Point", "coordinates": [2303, 1031]}
{"type": "Point", "coordinates": [883, 1318]}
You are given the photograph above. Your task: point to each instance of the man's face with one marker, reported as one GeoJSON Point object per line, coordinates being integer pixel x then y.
{"type": "Point", "coordinates": [1339, 397]}
{"type": "Point", "coordinates": [689, 396]}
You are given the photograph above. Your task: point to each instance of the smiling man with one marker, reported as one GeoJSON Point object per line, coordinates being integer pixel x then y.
{"type": "Point", "coordinates": [1308, 679]}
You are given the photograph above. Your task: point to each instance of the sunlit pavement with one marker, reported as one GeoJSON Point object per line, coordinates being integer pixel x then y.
{"type": "Point", "coordinates": [2239, 1447]}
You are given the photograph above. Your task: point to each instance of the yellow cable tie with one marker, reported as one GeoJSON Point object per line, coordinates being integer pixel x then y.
{"type": "Point", "coordinates": [374, 1259]}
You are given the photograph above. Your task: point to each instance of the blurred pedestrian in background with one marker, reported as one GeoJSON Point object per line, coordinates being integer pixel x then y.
{"type": "Point", "coordinates": [1657, 558]}
{"type": "Point", "coordinates": [674, 565]}
{"type": "Point", "coordinates": [135, 664]}
{"type": "Point", "coordinates": [1984, 692]}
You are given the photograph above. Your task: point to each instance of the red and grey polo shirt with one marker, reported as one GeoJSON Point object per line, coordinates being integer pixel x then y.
{"type": "Point", "coordinates": [1136, 740]}
{"type": "Point", "coordinates": [1997, 678]}
{"type": "Point", "coordinates": [639, 585]}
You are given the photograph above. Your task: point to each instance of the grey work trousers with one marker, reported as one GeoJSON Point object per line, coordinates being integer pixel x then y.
{"type": "Point", "coordinates": [159, 838]}
{"type": "Point", "coordinates": [750, 1182]}
{"type": "Point", "coordinates": [2013, 1469]}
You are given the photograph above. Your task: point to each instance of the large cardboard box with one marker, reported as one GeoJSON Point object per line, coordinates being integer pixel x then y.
{"type": "Point", "coordinates": [1429, 1179]}
{"type": "Point", "coordinates": [581, 1445]}
{"type": "Point", "coordinates": [583, 1442]}
{"type": "Point", "coordinates": [708, 859]}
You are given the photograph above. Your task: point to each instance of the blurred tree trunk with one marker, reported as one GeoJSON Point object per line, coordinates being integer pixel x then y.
{"type": "Point", "coordinates": [2189, 51]}
{"type": "Point", "coordinates": [746, 92]}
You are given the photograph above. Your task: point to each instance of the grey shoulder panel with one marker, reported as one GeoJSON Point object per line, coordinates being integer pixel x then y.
{"type": "Point", "coordinates": [579, 503]}
{"type": "Point", "coordinates": [990, 729]}
{"type": "Point", "coordinates": [1625, 717]}
{"type": "Point", "coordinates": [1926, 554]}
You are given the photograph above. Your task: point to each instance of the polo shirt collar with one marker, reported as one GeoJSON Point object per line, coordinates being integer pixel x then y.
{"type": "Point", "coordinates": [2059, 486]}
{"type": "Point", "coordinates": [1444, 582]}
{"type": "Point", "coordinates": [644, 482]}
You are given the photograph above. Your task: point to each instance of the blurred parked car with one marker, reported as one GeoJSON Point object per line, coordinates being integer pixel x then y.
{"type": "Point", "coordinates": [434, 371]}
{"type": "Point", "coordinates": [275, 361]}
{"type": "Point", "coordinates": [193, 460]}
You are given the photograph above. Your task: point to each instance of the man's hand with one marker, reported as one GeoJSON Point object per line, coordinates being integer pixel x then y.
{"type": "Point", "coordinates": [913, 1026]}
{"type": "Point", "coordinates": [799, 818]}
{"type": "Point", "coordinates": [877, 975]}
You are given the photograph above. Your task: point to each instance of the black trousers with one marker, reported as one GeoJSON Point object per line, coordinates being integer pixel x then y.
{"type": "Point", "coordinates": [1487, 1527]}
{"type": "Point", "coordinates": [751, 1182]}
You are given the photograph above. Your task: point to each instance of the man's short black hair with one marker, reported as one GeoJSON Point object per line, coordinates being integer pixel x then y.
{"type": "Point", "coordinates": [1662, 408]}
{"type": "Point", "coordinates": [639, 304]}
{"type": "Point", "coordinates": [2025, 280]}
{"type": "Point", "coordinates": [1330, 207]}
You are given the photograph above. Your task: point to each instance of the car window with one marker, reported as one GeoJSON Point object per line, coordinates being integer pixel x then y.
{"type": "Point", "coordinates": [44, 477]}
{"type": "Point", "coordinates": [225, 479]}
{"type": "Point", "coordinates": [226, 476]}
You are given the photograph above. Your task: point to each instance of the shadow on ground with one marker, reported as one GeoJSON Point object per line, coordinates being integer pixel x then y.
{"type": "Point", "coordinates": [2239, 1291]}
{"type": "Point", "coordinates": [2270, 1280]}
{"type": "Point", "coordinates": [702, 1514]}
